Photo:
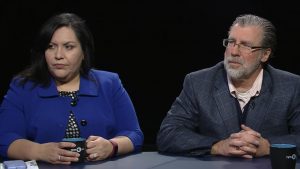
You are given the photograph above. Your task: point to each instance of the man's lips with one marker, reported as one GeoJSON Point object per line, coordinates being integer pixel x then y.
{"type": "Point", "coordinates": [234, 64]}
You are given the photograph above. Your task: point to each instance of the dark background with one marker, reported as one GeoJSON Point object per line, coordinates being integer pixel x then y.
{"type": "Point", "coordinates": [151, 44]}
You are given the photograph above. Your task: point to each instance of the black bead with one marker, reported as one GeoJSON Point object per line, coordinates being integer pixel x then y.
{"type": "Point", "coordinates": [73, 103]}
{"type": "Point", "coordinates": [83, 122]}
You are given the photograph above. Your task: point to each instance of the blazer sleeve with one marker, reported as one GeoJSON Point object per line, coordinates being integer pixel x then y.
{"type": "Point", "coordinates": [284, 117]}
{"type": "Point", "coordinates": [126, 119]}
{"type": "Point", "coordinates": [178, 132]}
{"type": "Point", "coordinates": [12, 119]}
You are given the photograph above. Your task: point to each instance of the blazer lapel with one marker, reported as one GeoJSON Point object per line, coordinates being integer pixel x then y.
{"type": "Point", "coordinates": [226, 104]}
{"type": "Point", "coordinates": [259, 107]}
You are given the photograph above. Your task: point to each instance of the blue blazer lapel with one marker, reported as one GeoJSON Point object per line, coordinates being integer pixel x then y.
{"type": "Point", "coordinates": [258, 112]}
{"type": "Point", "coordinates": [226, 104]}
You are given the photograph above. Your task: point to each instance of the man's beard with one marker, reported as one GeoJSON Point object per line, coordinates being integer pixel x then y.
{"type": "Point", "coordinates": [244, 71]}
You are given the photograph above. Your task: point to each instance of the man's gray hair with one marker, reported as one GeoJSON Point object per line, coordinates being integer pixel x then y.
{"type": "Point", "coordinates": [269, 38]}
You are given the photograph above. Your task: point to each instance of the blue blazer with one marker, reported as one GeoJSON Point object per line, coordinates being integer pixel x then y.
{"type": "Point", "coordinates": [205, 112]}
{"type": "Point", "coordinates": [39, 114]}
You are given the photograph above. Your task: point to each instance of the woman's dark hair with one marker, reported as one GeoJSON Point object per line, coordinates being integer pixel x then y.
{"type": "Point", "coordinates": [38, 70]}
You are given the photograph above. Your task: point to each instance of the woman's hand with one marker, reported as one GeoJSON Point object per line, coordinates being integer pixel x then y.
{"type": "Point", "coordinates": [56, 154]}
{"type": "Point", "coordinates": [49, 152]}
{"type": "Point", "coordinates": [98, 148]}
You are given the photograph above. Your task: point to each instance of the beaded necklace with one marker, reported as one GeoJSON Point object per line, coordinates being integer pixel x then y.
{"type": "Point", "coordinates": [72, 129]}
{"type": "Point", "coordinates": [72, 94]}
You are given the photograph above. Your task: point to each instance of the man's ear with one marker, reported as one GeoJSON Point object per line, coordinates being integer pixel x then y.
{"type": "Point", "coordinates": [266, 54]}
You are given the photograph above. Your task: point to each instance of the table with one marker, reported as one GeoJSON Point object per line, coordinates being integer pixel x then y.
{"type": "Point", "coordinates": [154, 160]}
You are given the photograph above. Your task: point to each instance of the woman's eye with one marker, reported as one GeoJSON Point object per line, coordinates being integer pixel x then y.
{"type": "Point", "coordinates": [69, 47]}
{"type": "Point", "coordinates": [50, 46]}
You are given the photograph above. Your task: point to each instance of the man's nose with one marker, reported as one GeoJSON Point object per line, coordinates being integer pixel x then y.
{"type": "Point", "coordinates": [235, 49]}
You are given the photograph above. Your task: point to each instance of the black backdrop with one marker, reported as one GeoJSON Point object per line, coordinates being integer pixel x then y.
{"type": "Point", "coordinates": [151, 44]}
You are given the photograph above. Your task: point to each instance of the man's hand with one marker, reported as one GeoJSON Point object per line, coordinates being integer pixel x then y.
{"type": "Point", "coordinates": [230, 147]}
{"type": "Point", "coordinates": [247, 143]}
{"type": "Point", "coordinates": [254, 139]}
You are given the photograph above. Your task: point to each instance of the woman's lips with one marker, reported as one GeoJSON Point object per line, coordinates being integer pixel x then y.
{"type": "Point", "coordinates": [59, 66]}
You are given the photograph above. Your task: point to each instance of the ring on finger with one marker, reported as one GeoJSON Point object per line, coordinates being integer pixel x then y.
{"type": "Point", "coordinates": [59, 157]}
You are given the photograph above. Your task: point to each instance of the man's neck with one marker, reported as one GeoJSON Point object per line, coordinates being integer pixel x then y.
{"type": "Point", "coordinates": [243, 85]}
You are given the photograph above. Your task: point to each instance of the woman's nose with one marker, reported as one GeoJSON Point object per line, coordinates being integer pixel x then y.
{"type": "Point", "coordinates": [59, 53]}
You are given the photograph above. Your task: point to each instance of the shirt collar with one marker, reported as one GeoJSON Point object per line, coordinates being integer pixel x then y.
{"type": "Point", "coordinates": [253, 91]}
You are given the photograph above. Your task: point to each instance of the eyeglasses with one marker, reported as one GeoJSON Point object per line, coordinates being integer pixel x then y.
{"type": "Point", "coordinates": [243, 48]}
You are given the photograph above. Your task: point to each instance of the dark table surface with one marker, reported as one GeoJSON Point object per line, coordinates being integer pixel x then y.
{"type": "Point", "coordinates": [154, 160]}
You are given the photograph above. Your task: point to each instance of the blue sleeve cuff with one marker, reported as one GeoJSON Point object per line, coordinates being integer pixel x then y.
{"type": "Point", "coordinates": [136, 137]}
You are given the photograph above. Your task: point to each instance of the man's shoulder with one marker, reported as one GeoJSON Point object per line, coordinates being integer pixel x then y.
{"type": "Point", "coordinates": [281, 74]}
{"type": "Point", "coordinates": [207, 76]}
{"type": "Point", "coordinates": [210, 71]}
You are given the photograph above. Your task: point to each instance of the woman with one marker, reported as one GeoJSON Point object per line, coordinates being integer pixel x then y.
{"type": "Point", "coordinates": [61, 96]}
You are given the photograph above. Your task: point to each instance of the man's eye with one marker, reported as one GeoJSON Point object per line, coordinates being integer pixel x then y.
{"type": "Point", "coordinates": [245, 46]}
{"type": "Point", "coordinates": [231, 42]}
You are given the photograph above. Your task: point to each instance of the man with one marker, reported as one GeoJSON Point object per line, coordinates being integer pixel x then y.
{"type": "Point", "coordinates": [237, 107]}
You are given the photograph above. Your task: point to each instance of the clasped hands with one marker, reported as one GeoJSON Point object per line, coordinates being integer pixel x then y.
{"type": "Point", "coordinates": [247, 143]}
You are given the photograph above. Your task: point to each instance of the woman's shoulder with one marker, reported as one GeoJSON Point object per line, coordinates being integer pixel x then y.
{"type": "Point", "coordinates": [103, 74]}
{"type": "Point", "coordinates": [19, 82]}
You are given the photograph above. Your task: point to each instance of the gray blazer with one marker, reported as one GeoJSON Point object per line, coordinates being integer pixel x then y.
{"type": "Point", "coordinates": [205, 112]}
